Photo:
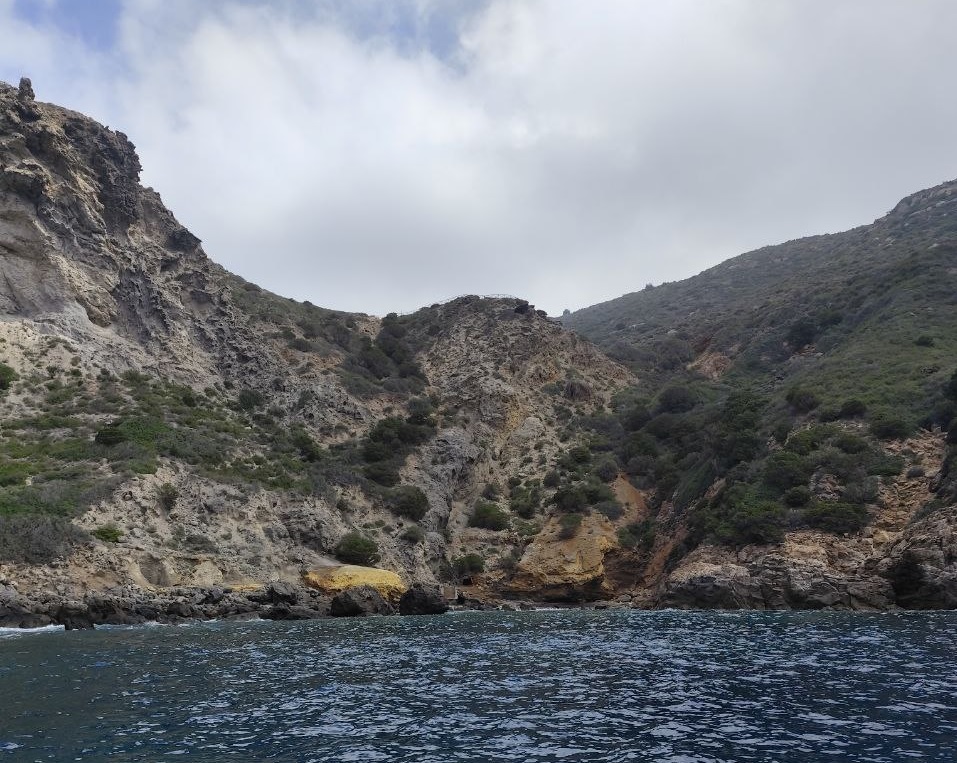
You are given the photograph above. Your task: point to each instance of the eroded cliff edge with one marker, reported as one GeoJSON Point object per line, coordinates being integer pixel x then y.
{"type": "Point", "coordinates": [174, 434]}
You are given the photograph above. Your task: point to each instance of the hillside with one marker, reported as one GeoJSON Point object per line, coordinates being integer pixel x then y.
{"type": "Point", "coordinates": [177, 442]}
{"type": "Point", "coordinates": [775, 388]}
{"type": "Point", "coordinates": [167, 424]}
{"type": "Point", "coordinates": [878, 299]}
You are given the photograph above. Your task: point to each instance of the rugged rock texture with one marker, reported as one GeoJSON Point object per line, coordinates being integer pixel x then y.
{"type": "Point", "coordinates": [97, 278]}
{"type": "Point", "coordinates": [131, 605]}
{"type": "Point", "coordinates": [900, 560]}
{"type": "Point", "coordinates": [359, 601]}
{"type": "Point", "coordinates": [422, 600]}
{"type": "Point", "coordinates": [341, 578]}
{"type": "Point", "coordinates": [199, 447]}
{"type": "Point", "coordinates": [572, 569]}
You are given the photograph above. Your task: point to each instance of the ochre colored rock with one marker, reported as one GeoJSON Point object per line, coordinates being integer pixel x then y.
{"type": "Point", "coordinates": [336, 579]}
{"type": "Point", "coordinates": [571, 569]}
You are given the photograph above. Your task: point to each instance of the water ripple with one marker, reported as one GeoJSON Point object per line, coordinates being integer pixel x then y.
{"type": "Point", "coordinates": [543, 686]}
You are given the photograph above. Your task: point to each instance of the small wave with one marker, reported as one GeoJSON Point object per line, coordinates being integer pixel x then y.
{"type": "Point", "coordinates": [10, 632]}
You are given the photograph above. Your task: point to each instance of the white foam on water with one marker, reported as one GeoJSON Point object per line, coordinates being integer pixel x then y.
{"type": "Point", "coordinates": [10, 632]}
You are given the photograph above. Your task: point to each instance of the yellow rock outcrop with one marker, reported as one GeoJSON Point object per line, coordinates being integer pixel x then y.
{"type": "Point", "coordinates": [336, 579]}
{"type": "Point", "coordinates": [567, 569]}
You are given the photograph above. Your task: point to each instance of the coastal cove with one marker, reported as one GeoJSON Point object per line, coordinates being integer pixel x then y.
{"type": "Point", "coordinates": [474, 686]}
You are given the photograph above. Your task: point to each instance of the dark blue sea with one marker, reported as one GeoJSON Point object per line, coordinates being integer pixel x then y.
{"type": "Point", "coordinates": [532, 686]}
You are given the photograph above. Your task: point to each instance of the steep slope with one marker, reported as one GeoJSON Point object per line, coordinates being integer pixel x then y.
{"type": "Point", "coordinates": [176, 442]}
{"type": "Point", "coordinates": [776, 390]}
{"type": "Point", "coordinates": [166, 424]}
{"type": "Point", "coordinates": [877, 300]}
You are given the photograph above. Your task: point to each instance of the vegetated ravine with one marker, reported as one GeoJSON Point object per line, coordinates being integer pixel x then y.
{"type": "Point", "coordinates": [776, 432]}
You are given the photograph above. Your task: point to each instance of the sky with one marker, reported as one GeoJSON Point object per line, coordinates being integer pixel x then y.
{"type": "Point", "coordinates": [381, 155]}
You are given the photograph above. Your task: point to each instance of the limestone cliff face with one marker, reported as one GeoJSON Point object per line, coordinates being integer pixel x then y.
{"type": "Point", "coordinates": [196, 430]}
{"type": "Point", "coordinates": [97, 278]}
{"type": "Point", "coordinates": [905, 557]}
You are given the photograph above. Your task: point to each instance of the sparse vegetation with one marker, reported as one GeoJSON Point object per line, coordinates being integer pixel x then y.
{"type": "Point", "coordinates": [355, 548]}
{"type": "Point", "coordinates": [489, 516]}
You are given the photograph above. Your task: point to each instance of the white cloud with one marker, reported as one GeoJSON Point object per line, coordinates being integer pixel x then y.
{"type": "Point", "coordinates": [563, 151]}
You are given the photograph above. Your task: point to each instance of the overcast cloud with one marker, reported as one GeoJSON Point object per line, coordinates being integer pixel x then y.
{"type": "Point", "coordinates": [383, 155]}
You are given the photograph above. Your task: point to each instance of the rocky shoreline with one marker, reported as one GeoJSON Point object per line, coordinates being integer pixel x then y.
{"type": "Point", "coordinates": [131, 605]}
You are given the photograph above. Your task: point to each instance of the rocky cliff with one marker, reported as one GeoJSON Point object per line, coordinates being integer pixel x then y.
{"type": "Point", "coordinates": [207, 433]}
{"type": "Point", "coordinates": [176, 442]}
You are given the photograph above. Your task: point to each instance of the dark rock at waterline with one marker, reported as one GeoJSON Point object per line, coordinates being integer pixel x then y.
{"type": "Point", "coordinates": [73, 616]}
{"type": "Point", "coordinates": [420, 600]}
{"type": "Point", "coordinates": [15, 614]}
{"type": "Point", "coordinates": [359, 601]}
{"type": "Point", "coordinates": [290, 612]}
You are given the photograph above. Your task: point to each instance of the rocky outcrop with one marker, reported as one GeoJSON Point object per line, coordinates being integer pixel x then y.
{"type": "Point", "coordinates": [130, 605]}
{"type": "Point", "coordinates": [422, 600]}
{"type": "Point", "coordinates": [566, 569]}
{"type": "Point", "coordinates": [359, 601]}
{"type": "Point", "coordinates": [922, 565]}
{"type": "Point", "coordinates": [334, 580]}
{"type": "Point", "coordinates": [806, 572]}
{"type": "Point", "coordinates": [916, 569]}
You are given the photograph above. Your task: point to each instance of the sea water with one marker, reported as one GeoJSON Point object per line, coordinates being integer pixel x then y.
{"type": "Point", "coordinates": [533, 686]}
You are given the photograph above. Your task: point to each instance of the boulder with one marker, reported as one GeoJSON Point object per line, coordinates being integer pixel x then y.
{"type": "Point", "coordinates": [73, 616]}
{"type": "Point", "coordinates": [360, 601]}
{"type": "Point", "coordinates": [422, 600]}
{"type": "Point", "coordinates": [287, 612]}
{"type": "Point", "coordinates": [336, 579]}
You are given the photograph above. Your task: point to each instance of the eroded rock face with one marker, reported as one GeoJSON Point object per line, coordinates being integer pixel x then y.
{"type": "Point", "coordinates": [359, 601]}
{"type": "Point", "coordinates": [922, 566]}
{"type": "Point", "coordinates": [803, 573]}
{"type": "Point", "coordinates": [422, 600]}
{"type": "Point", "coordinates": [340, 578]}
{"type": "Point", "coordinates": [554, 568]}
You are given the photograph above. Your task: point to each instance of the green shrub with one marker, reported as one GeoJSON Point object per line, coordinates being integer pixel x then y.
{"type": "Point", "coordinates": [889, 427]}
{"type": "Point", "coordinates": [801, 400]}
{"type": "Point", "coordinates": [37, 539]}
{"type": "Point", "coordinates": [639, 536]}
{"type": "Point", "coordinates": [13, 473]}
{"type": "Point", "coordinates": [108, 533]}
{"type": "Point", "coordinates": [676, 400]}
{"type": "Point", "coordinates": [802, 332]}
{"type": "Point", "coordinates": [852, 409]}
{"type": "Point", "coordinates": [525, 501]}
{"type": "Point", "coordinates": [355, 548]}
{"type": "Point", "coordinates": [109, 435]}
{"type": "Point", "coordinates": [744, 517]}
{"type": "Point", "coordinates": [611, 509]}
{"type": "Point", "coordinates": [950, 389]}
{"type": "Point", "coordinates": [7, 377]}
{"type": "Point", "coordinates": [797, 496]}
{"type": "Point", "coordinates": [491, 491]}
{"type": "Point", "coordinates": [250, 399]}
{"type": "Point", "coordinates": [382, 473]}
{"type": "Point", "coordinates": [580, 454]}
{"type": "Point", "coordinates": [835, 516]}
{"type": "Point", "coordinates": [469, 564]}
{"type": "Point", "coordinates": [408, 501]}
{"type": "Point", "coordinates": [489, 516]}
{"type": "Point", "coordinates": [167, 495]}
{"type": "Point", "coordinates": [300, 345]}
{"type": "Point", "coordinates": [412, 534]}
{"type": "Point", "coordinates": [785, 470]}
{"type": "Point", "coordinates": [806, 440]}
{"type": "Point", "coordinates": [850, 443]}
{"type": "Point", "coordinates": [308, 448]}
{"type": "Point", "coordinates": [570, 523]}
{"type": "Point", "coordinates": [606, 469]}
